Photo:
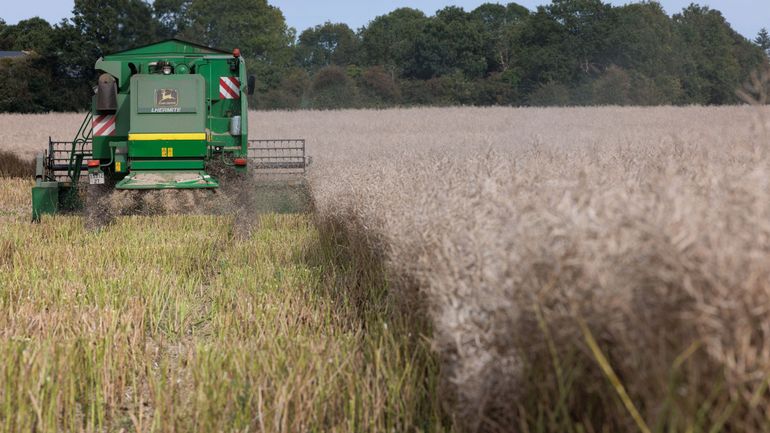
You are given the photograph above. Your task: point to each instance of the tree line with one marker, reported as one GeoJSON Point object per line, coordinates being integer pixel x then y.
{"type": "Point", "coordinates": [568, 52]}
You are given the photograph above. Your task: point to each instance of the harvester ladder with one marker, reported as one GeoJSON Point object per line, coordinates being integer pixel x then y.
{"type": "Point", "coordinates": [64, 159]}
{"type": "Point", "coordinates": [76, 158]}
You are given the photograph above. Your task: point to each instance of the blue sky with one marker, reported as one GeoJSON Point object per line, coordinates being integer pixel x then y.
{"type": "Point", "coordinates": [746, 16]}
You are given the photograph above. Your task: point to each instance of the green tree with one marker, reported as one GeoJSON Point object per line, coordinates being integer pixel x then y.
{"type": "Point", "coordinates": [646, 45]}
{"type": "Point", "coordinates": [550, 94]}
{"type": "Point", "coordinates": [72, 68]}
{"type": "Point", "coordinates": [34, 34]}
{"type": "Point", "coordinates": [570, 51]}
{"type": "Point", "coordinates": [763, 40]}
{"type": "Point", "coordinates": [502, 27]}
{"type": "Point", "coordinates": [50, 78]}
{"type": "Point", "coordinates": [613, 87]}
{"type": "Point", "coordinates": [388, 40]}
{"type": "Point", "coordinates": [378, 87]}
{"type": "Point", "coordinates": [587, 25]}
{"type": "Point", "coordinates": [327, 44]}
{"type": "Point", "coordinates": [543, 60]}
{"type": "Point", "coordinates": [495, 16]}
{"type": "Point", "coordinates": [26, 85]}
{"type": "Point", "coordinates": [14, 86]}
{"type": "Point", "coordinates": [114, 25]}
{"type": "Point", "coordinates": [288, 95]}
{"type": "Point", "coordinates": [452, 41]}
{"type": "Point", "coordinates": [716, 60]}
{"type": "Point", "coordinates": [645, 39]}
{"type": "Point", "coordinates": [172, 16]}
{"type": "Point", "coordinates": [254, 26]}
{"type": "Point", "coordinates": [332, 88]}
{"type": "Point", "coordinates": [258, 29]}
{"type": "Point", "coordinates": [6, 39]}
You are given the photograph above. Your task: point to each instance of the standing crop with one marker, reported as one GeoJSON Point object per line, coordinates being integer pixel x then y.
{"type": "Point", "coordinates": [584, 269]}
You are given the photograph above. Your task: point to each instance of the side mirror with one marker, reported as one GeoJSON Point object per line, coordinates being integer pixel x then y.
{"type": "Point", "coordinates": [252, 84]}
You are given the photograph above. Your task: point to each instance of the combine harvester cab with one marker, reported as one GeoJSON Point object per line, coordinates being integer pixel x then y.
{"type": "Point", "coordinates": [160, 115]}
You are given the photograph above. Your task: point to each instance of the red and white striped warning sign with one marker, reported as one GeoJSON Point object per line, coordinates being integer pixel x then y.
{"type": "Point", "coordinates": [229, 88]}
{"type": "Point", "coordinates": [104, 125]}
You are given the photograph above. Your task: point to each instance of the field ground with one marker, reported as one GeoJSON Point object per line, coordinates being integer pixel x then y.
{"type": "Point", "coordinates": [535, 270]}
{"type": "Point", "coordinates": [173, 324]}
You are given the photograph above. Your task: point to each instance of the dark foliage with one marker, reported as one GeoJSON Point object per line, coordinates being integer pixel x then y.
{"type": "Point", "coordinates": [569, 52]}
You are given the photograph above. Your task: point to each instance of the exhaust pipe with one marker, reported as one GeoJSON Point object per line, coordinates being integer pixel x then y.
{"type": "Point", "coordinates": [107, 93]}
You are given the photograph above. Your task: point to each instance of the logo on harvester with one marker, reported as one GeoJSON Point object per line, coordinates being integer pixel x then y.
{"type": "Point", "coordinates": [103, 125]}
{"type": "Point", "coordinates": [229, 88]}
{"type": "Point", "coordinates": [166, 98]}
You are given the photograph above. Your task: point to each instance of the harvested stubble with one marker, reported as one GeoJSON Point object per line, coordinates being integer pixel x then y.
{"type": "Point", "coordinates": [174, 323]}
{"type": "Point", "coordinates": [532, 232]}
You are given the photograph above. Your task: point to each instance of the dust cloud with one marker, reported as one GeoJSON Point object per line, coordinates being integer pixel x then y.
{"type": "Point", "coordinates": [241, 195]}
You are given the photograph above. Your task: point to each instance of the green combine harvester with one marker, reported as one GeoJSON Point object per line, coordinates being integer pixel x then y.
{"type": "Point", "coordinates": [161, 114]}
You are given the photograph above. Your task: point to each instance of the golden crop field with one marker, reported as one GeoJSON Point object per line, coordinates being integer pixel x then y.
{"type": "Point", "coordinates": [496, 269]}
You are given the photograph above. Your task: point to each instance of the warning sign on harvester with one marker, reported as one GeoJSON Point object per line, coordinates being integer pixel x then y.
{"type": "Point", "coordinates": [229, 88]}
{"type": "Point", "coordinates": [104, 125]}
